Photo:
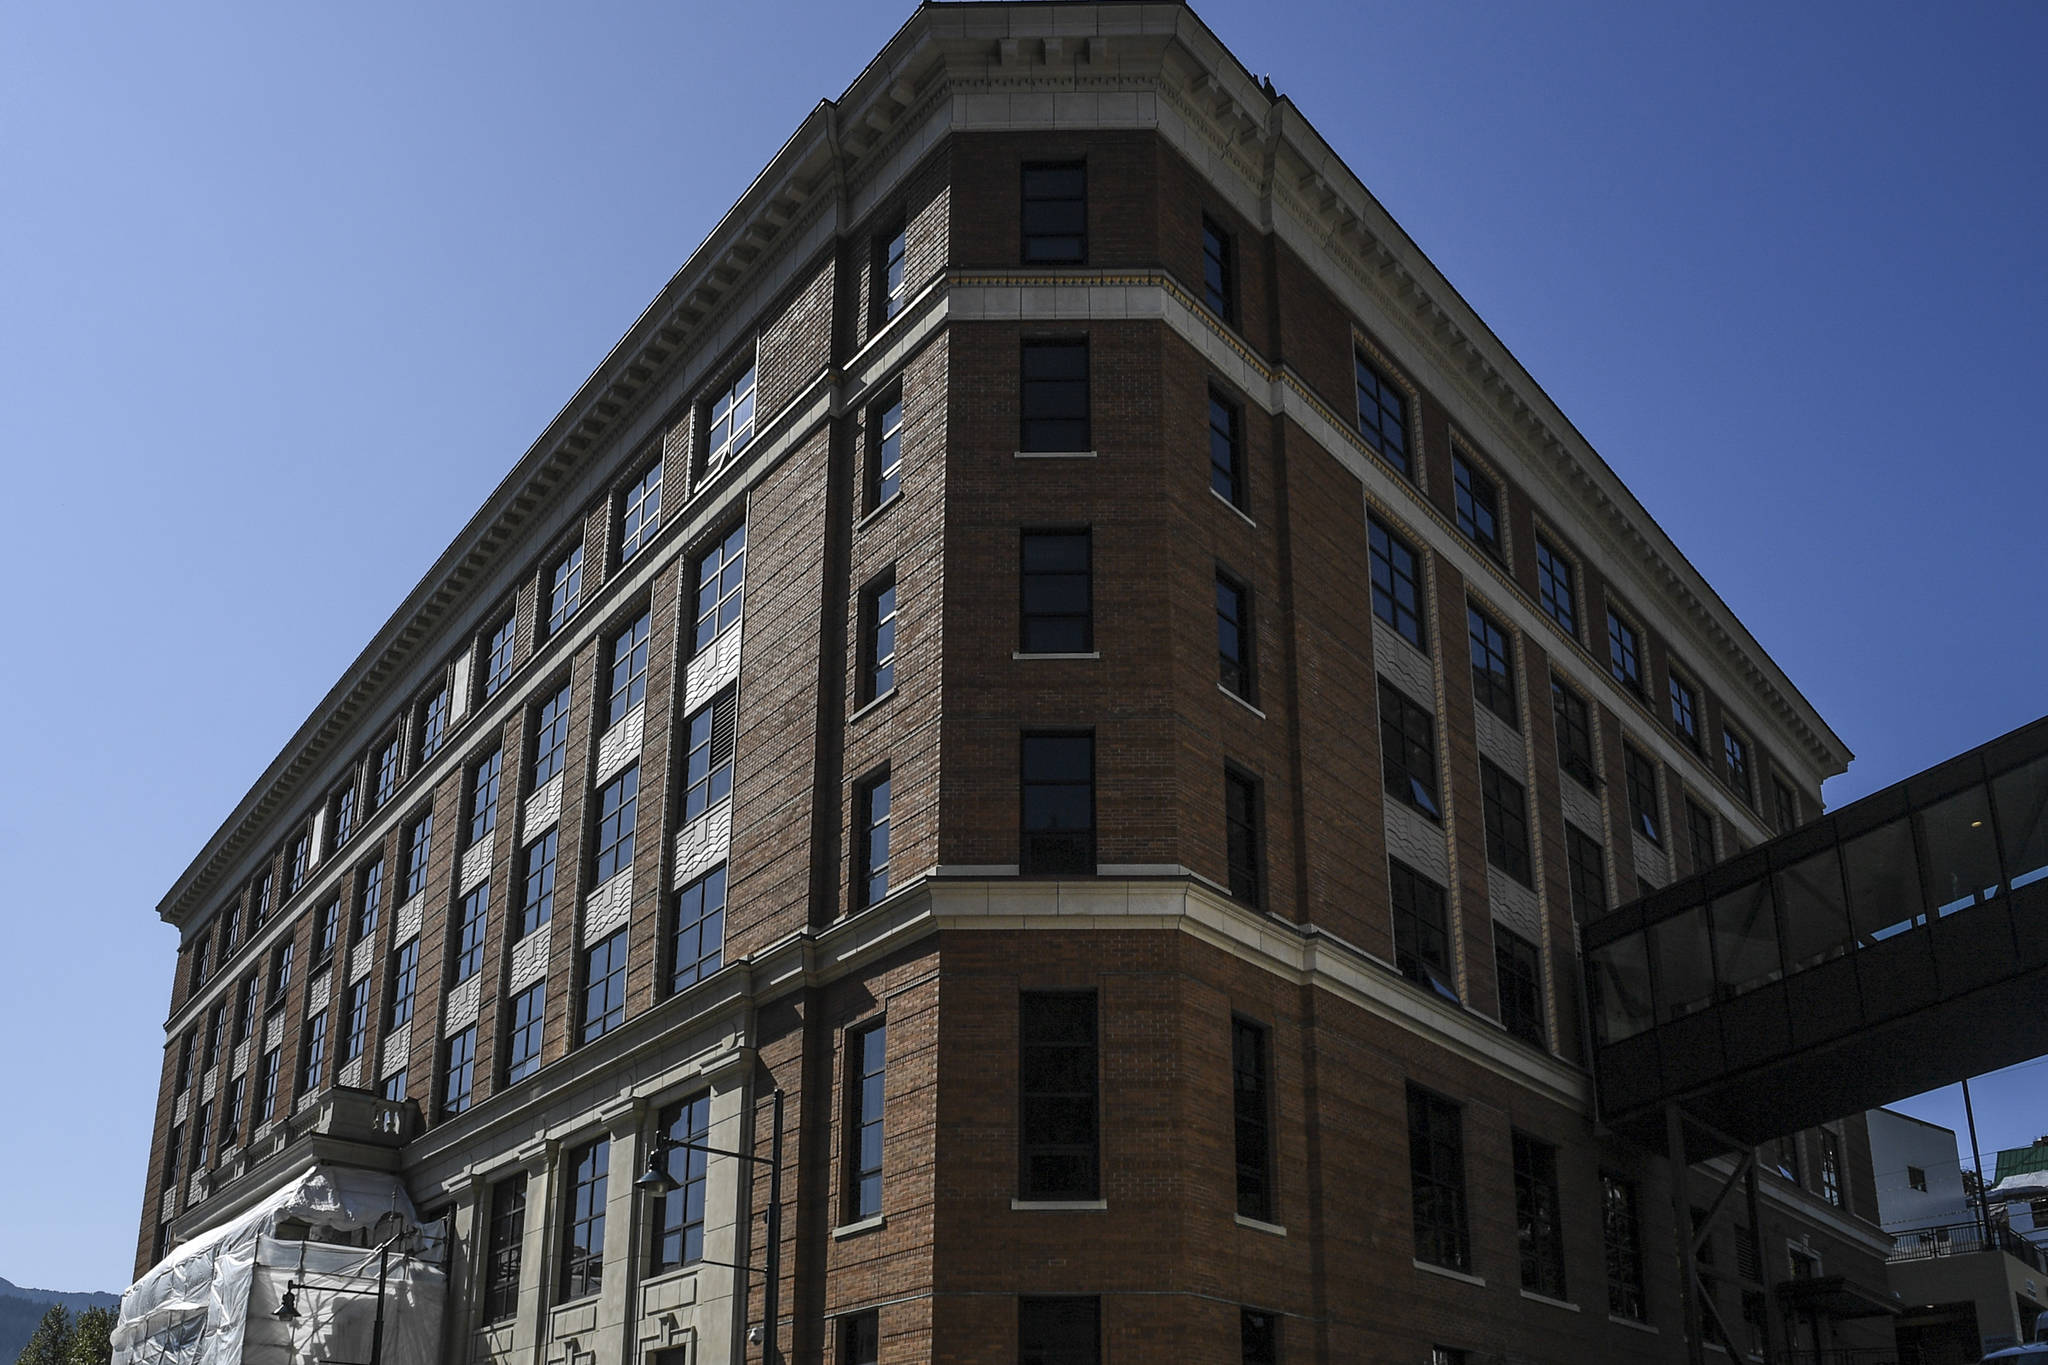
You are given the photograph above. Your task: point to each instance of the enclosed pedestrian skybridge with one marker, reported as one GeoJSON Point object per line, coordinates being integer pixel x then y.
{"type": "Point", "coordinates": [1893, 946]}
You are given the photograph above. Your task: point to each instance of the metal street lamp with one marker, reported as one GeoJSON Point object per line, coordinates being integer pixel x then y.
{"type": "Point", "coordinates": [288, 1306]}
{"type": "Point", "coordinates": [656, 1180]}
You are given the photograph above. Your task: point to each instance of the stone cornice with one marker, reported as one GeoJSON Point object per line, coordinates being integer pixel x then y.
{"type": "Point", "coordinates": [921, 86]}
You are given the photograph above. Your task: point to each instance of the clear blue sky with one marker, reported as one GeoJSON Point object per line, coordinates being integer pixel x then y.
{"type": "Point", "coordinates": [284, 290]}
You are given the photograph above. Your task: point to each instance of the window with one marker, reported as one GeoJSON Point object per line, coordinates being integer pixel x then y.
{"type": "Point", "coordinates": [1241, 843]}
{"type": "Point", "coordinates": [1055, 213]}
{"type": "Point", "coordinates": [885, 450]}
{"type": "Point", "coordinates": [503, 1249]}
{"type": "Point", "coordinates": [498, 655]}
{"type": "Point", "coordinates": [355, 1020]}
{"type": "Point", "coordinates": [483, 796]}
{"type": "Point", "coordinates": [433, 723]}
{"type": "Point", "coordinates": [1252, 1115]}
{"type": "Point", "coordinates": [280, 973]}
{"type": "Point", "coordinates": [301, 864]}
{"type": "Point", "coordinates": [1478, 504]}
{"type": "Point", "coordinates": [259, 900]}
{"type": "Point", "coordinates": [230, 930]}
{"type": "Point", "coordinates": [405, 975]}
{"type": "Point", "coordinates": [1449, 1355]}
{"type": "Point", "coordinates": [1234, 640]}
{"type": "Point", "coordinates": [523, 1032]}
{"type": "Point", "coordinates": [618, 807]}
{"type": "Point", "coordinates": [1587, 866]}
{"type": "Point", "coordinates": [1219, 271]}
{"type": "Point", "coordinates": [1436, 1170]}
{"type": "Point", "coordinates": [384, 776]}
{"type": "Point", "coordinates": [1624, 1248]}
{"type": "Point", "coordinates": [1408, 751]}
{"type": "Point", "coordinates": [583, 1235]}
{"type": "Point", "coordinates": [1058, 804]}
{"type": "Point", "coordinates": [188, 1048]}
{"type": "Point", "coordinates": [1226, 451]}
{"type": "Point", "coordinates": [1056, 611]}
{"type": "Point", "coordinates": [1831, 1167]}
{"type": "Point", "coordinates": [877, 638]}
{"type": "Point", "coordinates": [369, 900]}
{"type": "Point", "coordinates": [419, 842]}
{"type": "Point", "coordinates": [679, 1222]}
{"type": "Point", "coordinates": [199, 962]}
{"type": "Point", "coordinates": [640, 514]}
{"type": "Point", "coordinates": [1059, 1331]}
{"type": "Point", "coordinates": [1518, 968]}
{"type": "Point", "coordinates": [1493, 672]}
{"type": "Point", "coordinates": [604, 987]}
{"type": "Point", "coordinates": [393, 1088]}
{"type": "Point", "coordinates": [707, 763]}
{"type": "Point", "coordinates": [871, 855]}
{"type": "Point", "coordinates": [1056, 1128]}
{"type": "Point", "coordinates": [341, 809]}
{"type": "Point", "coordinates": [860, 1339]}
{"type": "Point", "coordinates": [865, 1051]}
{"type": "Point", "coordinates": [721, 583]}
{"type": "Point", "coordinates": [732, 420]}
{"type": "Point", "coordinates": [1258, 1337]}
{"type": "Point", "coordinates": [469, 942]}
{"type": "Point", "coordinates": [216, 1033]}
{"type": "Point", "coordinates": [1556, 589]}
{"type": "Point", "coordinates": [1916, 1178]}
{"type": "Point", "coordinates": [1538, 1231]}
{"type": "Point", "coordinates": [1382, 415]}
{"type": "Point", "coordinates": [699, 942]}
{"type": "Point", "coordinates": [314, 1053]}
{"type": "Point", "coordinates": [1055, 397]}
{"type": "Point", "coordinates": [1396, 580]}
{"type": "Point", "coordinates": [1574, 736]}
{"type": "Point", "coordinates": [1641, 775]}
{"type": "Point", "coordinates": [550, 737]}
{"type": "Point", "coordinates": [458, 1072]}
{"type": "Point", "coordinates": [1699, 828]}
{"type": "Point", "coordinates": [537, 884]}
{"type": "Point", "coordinates": [1507, 822]}
{"type": "Point", "coordinates": [565, 588]}
{"type": "Point", "coordinates": [629, 669]}
{"type": "Point", "coordinates": [1685, 720]}
{"type": "Point", "coordinates": [245, 1015]}
{"type": "Point", "coordinates": [1785, 806]}
{"type": "Point", "coordinates": [174, 1154]}
{"type": "Point", "coordinates": [1422, 936]}
{"type": "Point", "coordinates": [1624, 655]}
{"type": "Point", "coordinates": [889, 275]}
{"type": "Point", "coordinates": [326, 930]}
{"type": "Point", "coordinates": [202, 1137]}
{"type": "Point", "coordinates": [268, 1074]}
{"type": "Point", "coordinates": [234, 1111]}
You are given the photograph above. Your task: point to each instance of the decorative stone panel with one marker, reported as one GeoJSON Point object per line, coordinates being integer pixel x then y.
{"type": "Point", "coordinates": [1406, 666]}
{"type": "Point", "coordinates": [361, 958]}
{"type": "Point", "coordinates": [320, 992]}
{"type": "Point", "coordinates": [209, 1086]}
{"type": "Point", "coordinates": [1651, 862]}
{"type": "Point", "coordinates": [240, 1062]}
{"type": "Point", "coordinates": [273, 1031]}
{"type": "Point", "coordinates": [542, 809]}
{"type": "Point", "coordinates": [182, 1110]}
{"type": "Point", "coordinates": [170, 1204]}
{"type": "Point", "coordinates": [458, 690]}
{"type": "Point", "coordinates": [351, 1075]}
{"type": "Point", "coordinates": [462, 1006]}
{"type": "Point", "coordinates": [395, 1049]}
{"type": "Point", "coordinates": [621, 744]}
{"type": "Point", "coordinates": [1514, 904]}
{"type": "Point", "coordinates": [1581, 807]}
{"type": "Point", "coordinates": [474, 867]}
{"type": "Point", "coordinates": [1500, 742]}
{"type": "Point", "coordinates": [704, 843]}
{"type": "Point", "coordinates": [406, 926]}
{"type": "Point", "coordinates": [195, 1188]}
{"type": "Point", "coordinates": [1417, 841]}
{"type": "Point", "coordinates": [530, 958]}
{"type": "Point", "coordinates": [709, 673]}
{"type": "Point", "coordinates": [608, 905]}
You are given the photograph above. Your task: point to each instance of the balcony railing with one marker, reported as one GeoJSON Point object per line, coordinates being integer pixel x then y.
{"type": "Point", "coordinates": [1965, 1239]}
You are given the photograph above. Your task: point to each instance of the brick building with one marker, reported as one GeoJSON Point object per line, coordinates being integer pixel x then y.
{"type": "Point", "coordinates": [1060, 644]}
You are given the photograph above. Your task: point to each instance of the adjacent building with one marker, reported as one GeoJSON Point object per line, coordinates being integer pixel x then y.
{"type": "Point", "coordinates": [1050, 711]}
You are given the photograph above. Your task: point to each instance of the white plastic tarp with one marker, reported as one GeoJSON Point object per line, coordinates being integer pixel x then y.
{"type": "Point", "coordinates": [212, 1300]}
{"type": "Point", "coordinates": [2022, 1185]}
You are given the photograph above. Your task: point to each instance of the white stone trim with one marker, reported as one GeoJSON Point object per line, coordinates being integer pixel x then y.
{"type": "Point", "coordinates": [704, 843]}
{"type": "Point", "coordinates": [361, 958]}
{"type": "Point", "coordinates": [1416, 840]}
{"type": "Point", "coordinates": [396, 1048]}
{"type": "Point", "coordinates": [542, 809]}
{"type": "Point", "coordinates": [475, 866]}
{"type": "Point", "coordinates": [1515, 905]}
{"type": "Point", "coordinates": [405, 925]}
{"type": "Point", "coordinates": [460, 1011]}
{"type": "Point", "coordinates": [351, 1075]}
{"type": "Point", "coordinates": [1500, 742]}
{"type": "Point", "coordinates": [321, 993]}
{"type": "Point", "coordinates": [1651, 861]}
{"type": "Point", "coordinates": [530, 958]}
{"type": "Point", "coordinates": [1582, 809]}
{"type": "Point", "coordinates": [708, 674]}
{"type": "Point", "coordinates": [620, 745]}
{"type": "Point", "coordinates": [607, 907]}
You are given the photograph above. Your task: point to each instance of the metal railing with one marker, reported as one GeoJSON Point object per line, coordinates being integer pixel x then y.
{"type": "Point", "coordinates": [1965, 1239]}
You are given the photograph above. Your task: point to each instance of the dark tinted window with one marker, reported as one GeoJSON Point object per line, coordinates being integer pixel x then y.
{"type": "Point", "coordinates": [1519, 973]}
{"type": "Point", "coordinates": [504, 1249]}
{"type": "Point", "coordinates": [1241, 836]}
{"type": "Point", "coordinates": [1234, 635]}
{"type": "Point", "coordinates": [721, 584]}
{"type": "Point", "coordinates": [1408, 751]}
{"type": "Point", "coordinates": [1219, 271]}
{"type": "Point", "coordinates": [1422, 939]}
{"type": "Point", "coordinates": [1493, 668]}
{"type": "Point", "coordinates": [550, 737]}
{"type": "Point", "coordinates": [1055, 396]}
{"type": "Point", "coordinates": [1059, 1331]}
{"type": "Point", "coordinates": [1396, 582]}
{"type": "Point", "coordinates": [1057, 1103]}
{"type": "Point", "coordinates": [1055, 213]}
{"type": "Point", "coordinates": [1539, 1232]}
{"type": "Point", "coordinates": [604, 987]}
{"type": "Point", "coordinates": [1226, 450]}
{"type": "Point", "coordinates": [707, 755]}
{"type": "Point", "coordinates": [679, 1218]}
{"type": "Point", "coordinates": [629, 669]}
{"type": "Point", "coordinates": [1057, 608]}
{"type": "Point", "coordinates": [1382, 414]}
{"type": "Point", "coordinates": [1643, 810]}
{"type": "Point", "coordinates": [1574, 735]}
{"type": "Point", "coordinates": [1478, 506]}
{"type": "Point", "coordinates": [871, 851]}
{"type": "Point", "coordinates": [1557, 588]}
{"type": "Point", "coordinates": [523, 1032]}
{"type": "Point", "coordinates": [1624, 654]}
{"type": "Point", "coordinates": [1058, 801]}
{"type": "Point", "coordinates": [1507, 822]}
{"type": "Point", "coordinates": [1253, 1119]}
{"type": "Point", "coordinates": [697, 949]}
{"type": "Point", "coordinates": [583, 1228]}
{"type": "Point", "coordinates": [1436, 1171]}
{"type": "Point", "coordinates": [866, 1050]}
{"type": "Point", "coordinates": [618, 809]}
